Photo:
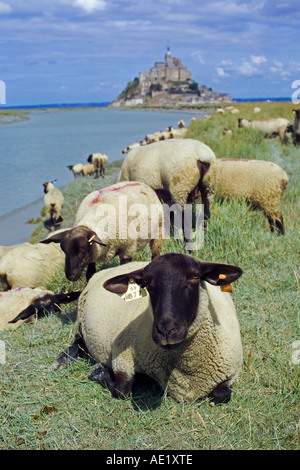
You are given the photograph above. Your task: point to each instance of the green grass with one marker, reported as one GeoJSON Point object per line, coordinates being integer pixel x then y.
{"type": "Point", "coordinates": [43, 408]}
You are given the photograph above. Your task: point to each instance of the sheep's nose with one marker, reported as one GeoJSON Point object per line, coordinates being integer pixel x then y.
{"type": "Point", "coordinates": [165, 331]}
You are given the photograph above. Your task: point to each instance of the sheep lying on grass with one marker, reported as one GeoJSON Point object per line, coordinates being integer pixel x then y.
{"type": "Point", "coordinates": [183, 332]}
{"type": "Point", "coordinates": [173, 168]}
{"type": "Point", "coordinates": [53, 204]}
{"type": "Point", "coordinates": [116, 220]}
{"type": "Point", "coordinates": [270, 127]}
{"type": "Point", "coordinates": [29, 265]}
{"type": "Point", "coordinates": [260, 182]}
{"type": "Point", "coordinates": [18, 305]}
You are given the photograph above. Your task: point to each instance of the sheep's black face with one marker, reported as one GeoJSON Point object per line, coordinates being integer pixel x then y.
{"type": "Point", "coordinates": [173, 286]}
{"type": "Point", "coordinates": [79, 253]}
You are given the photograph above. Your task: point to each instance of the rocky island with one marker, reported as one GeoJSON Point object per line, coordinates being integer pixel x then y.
{"type": "Point", "coordinates": [167, 83]}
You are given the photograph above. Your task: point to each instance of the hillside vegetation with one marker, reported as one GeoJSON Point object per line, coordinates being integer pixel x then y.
{"type": "Point", "coordinates": [43, 408]}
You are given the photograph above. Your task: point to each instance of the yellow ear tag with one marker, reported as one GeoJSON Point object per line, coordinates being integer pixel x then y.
{"type": "Point", "coordinates": [226, 287]}
{"type": "Point", "coordinates": [91, 239]}
{"type": "Point", "coordinates": [134, 292]}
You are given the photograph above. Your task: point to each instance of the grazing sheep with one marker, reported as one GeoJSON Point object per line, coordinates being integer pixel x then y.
{"type": "Point", "coordinates": [256, 109]}
{"type": "Point", "coordinates": [99, 161]}
{"type": "Point", "coordinates": [88, 169]}
{"type": "Point", "coordinates": [260, 182]}
{"type": "Point", "coordinates": [182, 331]}
{"type": "Point", "coordinates": [18, 305]}
{"type": "Point", "coordinates": [106, 225]}
{"type": "Point", "coordinates": [53, 204]}
{"type": "Point", "coordinates": [270, 127]}
{"type": "Point", "coordinates": [76, 169]}
{"type": "Point", "coordinates": [173, 168]}
{"type": "Point", "coordinates": [296, 127]}
{"type": "Point", "coordinates": [29, 265]}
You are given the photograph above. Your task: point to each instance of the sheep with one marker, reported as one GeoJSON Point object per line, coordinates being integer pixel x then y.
{"type": "Point", "coordinates": [270, 127]}
{"type": "Point", "coordinates": [173, 168]}
{"type": "Point", "coordinates": [180, 327]}
{"type": "Point", "coordinates": [88, 169]}
{"type": "Point", "coordinates": [260, 182]}
{"type": "Point", "coordinates": [53, 204]}
{"type": "Point", "coordinates": [129, 147]}
{"type": "Point", "coordinates": [106, 225]}
{"type": "Point", "coordinates": [25, 302]}
{"type": "Point", "coordinates": [99, 161]}
{"type": "Point", "coordinates": [181, 124]}
{"type": "Point", "coordinates": [76, 169]}
{"type": "Point", "coordinates": [256, 109]}
{"type": "Point", "coordinates": [29, 265]}
{"type": "Point", "coordinates": [296, 127]}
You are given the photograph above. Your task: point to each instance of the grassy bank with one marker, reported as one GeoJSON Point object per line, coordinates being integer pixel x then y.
{"type": "Point", "coordinates": [42, 408]}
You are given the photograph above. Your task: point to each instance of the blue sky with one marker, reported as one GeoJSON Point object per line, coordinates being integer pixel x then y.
{"type": "Point", "coordinates": [70, 51]}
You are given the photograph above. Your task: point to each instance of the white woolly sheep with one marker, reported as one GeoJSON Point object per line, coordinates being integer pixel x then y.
{"type": "Point", "coordinates": [117, 220]}
{"type": "Point", "coordinates": [99, 161]}
{"type": "Point", "coordinates": [18, 305]}
{"type": "Point", "coordinates": [29, 265]}
{"type": "Point", "coordinates": [76, 169]}
{"type": "Point", "coordinates": [53, 204]}
{"type": "Point", "coordinates": [182, 332]}
{"type": "Point", "coordinates": [260, 183]}
{"type": "Point", "coordinates": [269, 127]}
{"type": "Point", "coordinates": [173, 168]}
{"type": "Point", "coordinates": [127, 149]}
{"type": "Point", "coordinates": [256, 109]}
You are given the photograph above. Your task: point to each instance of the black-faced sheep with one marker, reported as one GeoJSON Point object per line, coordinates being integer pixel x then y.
{"type": "Point", "coordinates": [269, 127]}
{"type": "Point", "coordinates": [260, 183]}
{"type": "Point", "coordinates": [53, 204]}
{"type": "Point", "coordinates": [182, 331]}
{"type": "Point", "coordinates": [173, 168]}
{"type": "Point", "coordinates": [99, 160]}
{"type": "Point", "coordinates": [296, 127]}
{"type": "Point", "coordinates": [116, 220]}
{"type": "Point", "coordinates": [76, 169]}
{"type": "Point", "coordinates": [19, 305]}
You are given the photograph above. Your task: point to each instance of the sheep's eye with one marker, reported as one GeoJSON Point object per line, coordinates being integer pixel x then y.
{"type": "Point", "coordinates": [193, 277]}
{"type": "Point", "coordinates": [146, 281]}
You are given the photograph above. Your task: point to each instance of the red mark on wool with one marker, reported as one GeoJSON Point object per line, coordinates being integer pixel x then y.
{"type": "Point", "coordinates": [96, 199]}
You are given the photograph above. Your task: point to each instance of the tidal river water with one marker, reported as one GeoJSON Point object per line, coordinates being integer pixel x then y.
{"type": "Point", "coordinates": [40, 149]}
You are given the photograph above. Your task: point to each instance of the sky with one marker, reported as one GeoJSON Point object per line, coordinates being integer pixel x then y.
{"type": "Point", "coordinates": [82, 51]}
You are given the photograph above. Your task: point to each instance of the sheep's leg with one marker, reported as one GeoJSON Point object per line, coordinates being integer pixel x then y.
{"type": "Point", "coordinates": [72, 352]}
{"type": "Point", "coordinates": [125, 260]}
{"type": "Point", "coordinates": [119, 384]}
{"type": "Point", "coordinates": [91, 269]}
{"type": "Point", "coordinates": [221, 393]}
{"type": "Point", "coordinates": [276, 224]}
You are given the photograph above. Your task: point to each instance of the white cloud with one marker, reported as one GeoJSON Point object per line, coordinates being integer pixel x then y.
{"type": "Point", "coordinates": [258, 59]}
{"type": "Point", "coordinates": [90, 5]}
{"type": "Point", "coordinates": [5, 8]}
{"type": "Point", "coordinates": [221, 72]}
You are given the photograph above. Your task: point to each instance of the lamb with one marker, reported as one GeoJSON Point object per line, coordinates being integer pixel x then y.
{"type": "Point", "coordinates": [260, 182]}
{"type": "Point", "coordinates": [25, 302]}
{"type": "Point", "coordinates": [53, 204]}
{"type": "Point", "coordinates": [76, 169]}
{"type": "Point", "coordinates": [270, 127]}
{"type": "Point", "coordinates": [296, 127]}
{"type": "Point", "coordinates": [29, 265]}
{"type": "Point", "coordinates": [182, 331]}
{"type": "Point", "coordinates": [173, 168]}
{"type": "Point", "coordinates": [106, 225]}
{"type": "Point", "coordinates": [99, 161]}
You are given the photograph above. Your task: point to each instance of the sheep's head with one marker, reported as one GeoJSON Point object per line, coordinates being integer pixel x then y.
{"type": "Point", "coordinates": [172, 281]}
{"type": "Point", "coordinates": [297, 113]}
{"type": "Point", "coordinates": [78, 244]}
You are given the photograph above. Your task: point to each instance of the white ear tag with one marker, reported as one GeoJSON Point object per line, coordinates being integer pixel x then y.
{"type": "Point", "coordinates": [133, 292]}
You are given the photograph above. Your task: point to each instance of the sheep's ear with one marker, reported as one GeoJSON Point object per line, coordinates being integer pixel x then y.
{"type": "Point", "coordinates": [56, 238]}
{"type": "Point", "coordinates": [119, 284]}
{"type": "Point", "coordinates": [219, 274]}
{"type": "Point", "coordinates": [94, 238]}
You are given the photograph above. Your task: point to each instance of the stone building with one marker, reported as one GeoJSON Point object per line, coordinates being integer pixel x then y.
{"type": "Point", "coordinates": [169, 70]}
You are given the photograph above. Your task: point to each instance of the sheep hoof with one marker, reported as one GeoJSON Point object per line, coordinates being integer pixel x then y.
{"type": "Point", "coordinates": [221, 393]}
{"type": "Point", "coordinates": [99, 374]}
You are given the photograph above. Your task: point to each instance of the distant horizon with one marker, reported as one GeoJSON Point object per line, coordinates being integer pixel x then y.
{"type": "Point", "coordinates": [107, 103]}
